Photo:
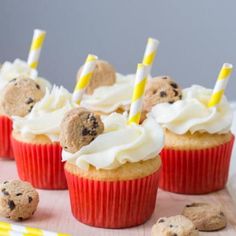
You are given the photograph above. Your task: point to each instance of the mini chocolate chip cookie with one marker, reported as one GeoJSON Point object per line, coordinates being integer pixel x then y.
{"type": "Point", "coordinates": [103, 75]}
{"type": "Point", "coordinates": [160, 90]}
{"type": "Point", "coordinates": [205, 216]}
{"type": "Point", "coordinates": [18, 200]}
{"type": "Point", "coordinates": [19, 96]}
{"type": "Point", "coordinates": [78, 128]}
{"type": "Point", "coordinates": [174, 226]}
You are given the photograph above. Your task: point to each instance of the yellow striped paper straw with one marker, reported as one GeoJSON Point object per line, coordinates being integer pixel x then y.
{"type": "Point", "coordinates": [7, 229]}
{"type": "Point", "coordinates": [150, 52]}
{"type": "Point", "coordinates": [35, 49]}
{"type": "Point", "coordinates": [138, 92]}
{"type": "Point", "coordinates": [220, 85]}
{"type": "Point", "coordinates": [85, 76]}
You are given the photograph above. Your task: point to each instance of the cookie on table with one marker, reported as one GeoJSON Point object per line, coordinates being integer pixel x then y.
{"type": "Point", "coordinates": [18, 200]}
{"type": "Point", "coordinates": [78, 128]}
{"type": "Point", "coordinates": [161, 89]}
{"type": "Point", "coordinates": [174, 226]}
{"type": "Point", "coordinates": [103, 75]}
{"type": "Point", "coordinates": [205, 216]}
{"type": "Point", "coordinates": [19, 96]}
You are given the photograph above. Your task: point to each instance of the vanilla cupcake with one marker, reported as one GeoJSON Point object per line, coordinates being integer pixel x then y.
{"type": "Point", "coordinates": [107, 91]}
{"type": "Point", "coordinates": [9, 72]}
{"type": "Point", "coordinates": [198, 142]}
{"type": "Point", "coordinates": [116, 162]}
{"type": "Point", "coordinates": [35, 141]}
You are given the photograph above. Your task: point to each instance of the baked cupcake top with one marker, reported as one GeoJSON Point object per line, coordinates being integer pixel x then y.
{"type": "Point", "coordinates": [118, 144]}
{"type": "Point", "coordinates": [192, 114]}
{"type": "Point", "coordinates": [19, 68]}
{"type": "Point", "coordinates": [46, 116]}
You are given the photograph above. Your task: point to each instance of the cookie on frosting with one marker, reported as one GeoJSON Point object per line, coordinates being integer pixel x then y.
{"type": "Point", "coordinates": [205, 216]}
{"type": "Point", "coordinates": [78, 128]}
{"type": "Point", "coordinates": [174, 226]}
{"type": "Point", "coordinates": [19, 96]}
{"type": "Point", "coordinates": [18, 200]}
{"type": "Point", "coordinates": [160, 90]}
{"type": "Point", "coordinates": [103, 75]}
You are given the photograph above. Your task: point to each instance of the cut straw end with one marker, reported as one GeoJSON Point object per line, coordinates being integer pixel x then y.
{"type": "Point", "coordinates": [220, 85]}
{"type": "Point", "coordinates": [35, 49]}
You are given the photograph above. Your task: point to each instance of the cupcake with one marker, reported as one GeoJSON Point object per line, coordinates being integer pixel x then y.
{"type": "Point", "coordinates": [107, 91]}
{"type": "Point", "coordinates": [112, 168]}
{"type": "Point", "coordinates": [198, 142]}
{"type": "Point", "coordinates": [35, 141]}
{"type": "Point", "coordinates": [9, 72]}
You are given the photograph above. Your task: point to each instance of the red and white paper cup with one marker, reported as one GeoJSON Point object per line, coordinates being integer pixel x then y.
{"type": "Point", "coordinates": [6, 150]}
{"type": "Point", "coordinates": [196, 171]}
{"type": "Point", "coordinates": [40, 164]}
{"type": "Point", "coordinates": [112, 204]}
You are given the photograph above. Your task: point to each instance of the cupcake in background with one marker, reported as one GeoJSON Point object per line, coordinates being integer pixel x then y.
{"type": "Point", "coordinates": [17, 98]}
{"type": "Point", "coordinates": [12, 71]}
{"type": "Point", "coordinates": [198, 142]}
{"type": "Point", "coordinates": [35, 140]}
{"type": "Point", "coordinates": [116, 162]}
{"type": "Point", "coordinates": [107, 91]}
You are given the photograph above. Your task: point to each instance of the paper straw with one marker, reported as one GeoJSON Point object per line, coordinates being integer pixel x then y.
{"type": "Point", "coordinates": [84, 78]}
{"type": "Point", "coordinates": [138, 92]}
{"type": "Point", "coordinates": [36, 46]}
{"type": "Point", "coordinates": [220, 85]}
{"type": "Point", "coordinates": [7, 229]}
{"type": "Point", "coordinates": [150, 53]}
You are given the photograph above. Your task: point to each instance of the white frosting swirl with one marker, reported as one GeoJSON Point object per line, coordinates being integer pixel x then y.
{"type": "Point", "coordinates": [120, 143]}
{"type": "Point", "coordinates": [192, 113]}
{"type": "Point", "coordinates": [108, 99]}
{"type": "Point", "coordinates": [9, 71]}
{"type": "Point", "coordinates": [46, 116]}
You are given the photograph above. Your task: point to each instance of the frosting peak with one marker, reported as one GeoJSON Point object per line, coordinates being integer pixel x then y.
{"type": "Point", "coordinates": [193, 114]}
{"type": "Point", "coordinates": [46, 116]}
{"type": "Point", "coordinates": [120, 143]}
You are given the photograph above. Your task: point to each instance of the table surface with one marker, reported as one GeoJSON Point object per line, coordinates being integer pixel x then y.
{"type": "Point", "coordinates": [54, 208]}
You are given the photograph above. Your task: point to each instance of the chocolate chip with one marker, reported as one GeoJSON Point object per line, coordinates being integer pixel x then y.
{"type": "Point", "coordinates": [93, 132]}
{"type": "Point", "coordinates": [176, 92]}
{"type": "Point", "coordinates": [188, 205]}
{"type": "Point", "coordinates": [29, 100]}
{"type": "Point", "coordinates": [5, 182]}
{"type": "Point", "coordinates": [5, 192]}
{"type": "Point", "coordinates": [180, 96]}
{"type": "Point", "coordinates": [95, 124]}
{"type": "Point", "coordinates": [30, 109]}
{"type": "Point", "coordinates": [11, 205]}
{"type": "Point", "coordinates": [13, 80]}
{"type": "Point", "coordinates": [164, 77]}
{"type": "Point", "coordinates": [20, 218]}
{"type": "Point", "coordinates": [65, 147]}
{"type": "Point", "coordinates": [37, 86]}
{"type": "Point", "coordinates": [174, 234]}
{"type": "Point", "coordinates": [154, 91]}
{"type": "Point", "coordinates": [85, 132]}
{"type": "Point", "coordinates": [163, 94]}
{"type": "Point", "coordinates": [222, 213]}
{"type": "Point", "coordinates": [30, 199]}
{"type": "Point", "coordinates": [18, 194]}
{"type": "Point", "coordinates": [161, 221]}
{"type": "Point", "coordinates": [174, 85]}
{"type": "Point", "coordinates": [170, 226]}
{"type": "Point", "coordinates": [171, 102]}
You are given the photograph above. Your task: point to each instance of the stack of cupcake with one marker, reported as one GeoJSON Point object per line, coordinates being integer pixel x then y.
{"type": "Point", "coordinates": [113, 139]}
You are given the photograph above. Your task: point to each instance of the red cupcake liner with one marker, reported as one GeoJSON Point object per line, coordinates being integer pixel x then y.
{"type": "Point", "coordinates": [40, 164]}
{"type": "Point", "coordinates": [196, 171]}
{"type": "Point", "coordinates": [113, 204]}
{"type": "Point", "coordinates": [5, 137]}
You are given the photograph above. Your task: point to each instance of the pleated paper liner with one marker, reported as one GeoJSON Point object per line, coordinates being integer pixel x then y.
{"type": "Point", "coordinates": [196, 171]}
{"type": "Point", "coordinates": [40, 164]}
{"type": "Point", "coordinates": [5, 137]}
{"type": "Point", "coordinates": [112, 204]}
